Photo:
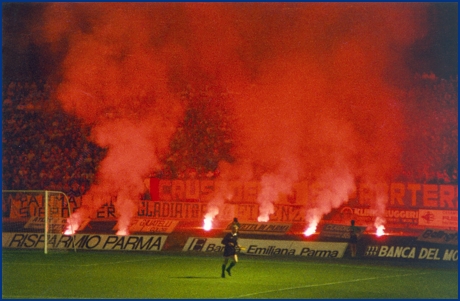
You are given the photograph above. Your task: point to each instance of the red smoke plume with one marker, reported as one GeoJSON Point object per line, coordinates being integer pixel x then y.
{"type": "Point", "coordinates": [316, 96]}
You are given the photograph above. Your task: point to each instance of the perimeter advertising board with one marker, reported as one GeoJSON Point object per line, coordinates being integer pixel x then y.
{"type": "Point", "coordinates": [84, 241]}
{"type": "Point", "coordinates": [439, 237]}
{"type": "Point", "coordinates": [261, 247]}
{"type": "Point", "coordinates": [411, 252]}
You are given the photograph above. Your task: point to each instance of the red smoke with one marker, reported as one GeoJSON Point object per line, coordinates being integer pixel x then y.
{"type": "Point", "coordinates": [315, 97]}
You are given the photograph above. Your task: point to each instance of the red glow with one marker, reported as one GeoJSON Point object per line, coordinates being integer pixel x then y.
{"type": "Point", "coordinates": [122, 232]}
{"type": "Point", "coordinates": [73, 223]}
{"type": "Point", "coordinates": [379, 225]}
{"type": "Point", "coordinates": [310, 231]}
{"type": "Point", "coordinates": [68, 232]}
{"type": "Point", "coordinates": [380, 231]}
{"type": "Point", "coordinates": [207, 224]}
{"type": "Point", "coordinates": [314, 96]}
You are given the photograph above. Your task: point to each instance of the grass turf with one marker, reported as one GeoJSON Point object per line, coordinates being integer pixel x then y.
{"type": "Point", "coordinates": [30, 274]}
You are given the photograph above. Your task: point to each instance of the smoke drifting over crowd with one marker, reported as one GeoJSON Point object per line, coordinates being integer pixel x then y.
{"type": "Point", "coordinates": [315, 88]}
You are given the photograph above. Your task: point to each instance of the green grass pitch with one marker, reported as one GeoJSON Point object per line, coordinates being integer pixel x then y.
{"type": "Point", "coordinates": [30, 274]}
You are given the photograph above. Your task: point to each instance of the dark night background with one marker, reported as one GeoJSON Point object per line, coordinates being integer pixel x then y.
{"type": "Point", "coordinates": [437, 52]}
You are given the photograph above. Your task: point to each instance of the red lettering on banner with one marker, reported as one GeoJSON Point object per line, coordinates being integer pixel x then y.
{"type": "Point", "coordinates": [192, 190]}
{"type": "Point", "coordinates": [206, 190]}
{"type": "Point", "coordinates": [397, 192]}
{"type": "Point", "coordinates": [430, 195]}
{"type": "Point", "coordinates": [154, 189]}
{"type": "Point", "coordinates": [247, 211]}
{"type": "Point", "coordinates": [165, 190]}
{"type": "Point", "coordinates": [367, 192]}
{"type": "Point", "coordinates": [414, 188]}
{"type": "Point", "coordinates": [178, 211]}
{"type": "Point", "coordinates": [447, 196]}
{"type": "Point", "coordinates": [178, 190]}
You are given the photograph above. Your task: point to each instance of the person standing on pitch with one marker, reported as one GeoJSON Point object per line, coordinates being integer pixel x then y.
{"type": "Point", "coordinates": [353, 238]}
{"type": "Point", "coordinates": [230, 241]}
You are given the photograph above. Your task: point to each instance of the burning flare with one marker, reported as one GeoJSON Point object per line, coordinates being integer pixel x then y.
{"type": "Point", "coordinates": [310, 230]}
{"type": "Point", "coordinates": [380, 227]}
{"type": "Point", "coordinates": [314, 217]}
{"type": "Point", "coordinates": [122, 232]}
{"type": "Point", "coordinates": [209, 217]}
{"type": "Point", "coordinates": [380, 231]}
{"type": "Point", "coordinates": [207, 223]}
{"type": "Point", "coordinates": [68, 231]}
{"type": "Point", "coordinates": [73, 223]}
{"type": "Point", "coordinates": [263, 218]}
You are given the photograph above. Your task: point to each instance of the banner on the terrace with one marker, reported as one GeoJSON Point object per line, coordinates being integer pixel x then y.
{"type": "Point", "coordinates": [151, 225]}
{"type": "Point", "coordinates": [339, 231]}
{"type": "Point", "coordinates": [38, 223]}
{"type": "Point", "coordinates": [409, 206]}
{"type": "Point", "coordinates": [400, 195]}
{"type": "Point", "coordinates": [55, 225]}
{"type": "Point", "coordinates": [262, 228]}
{"type": "Point", "coordinates": [438, 218]}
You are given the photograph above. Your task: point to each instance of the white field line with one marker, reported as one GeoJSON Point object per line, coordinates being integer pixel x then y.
{"type": "Point", "coordinates": [324, 284]}
{"type": "Point", "coordinates": [353, 266]}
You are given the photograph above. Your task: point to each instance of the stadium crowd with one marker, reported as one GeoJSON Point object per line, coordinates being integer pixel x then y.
{"type": "Point", "coordinates": [435, 138]}
{"type": "Point", "coordinates": [46, 148]}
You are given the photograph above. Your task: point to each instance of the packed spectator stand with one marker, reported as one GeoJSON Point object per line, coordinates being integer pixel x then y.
{"type": "Point", "coordinates": [46, 148]}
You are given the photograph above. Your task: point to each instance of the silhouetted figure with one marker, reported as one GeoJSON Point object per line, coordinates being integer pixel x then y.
{"type": "Point", "coordinates": [353, 238]}
{"type": "Point", "coordinates": [230, 241]}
